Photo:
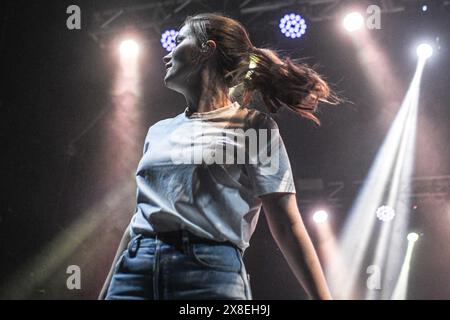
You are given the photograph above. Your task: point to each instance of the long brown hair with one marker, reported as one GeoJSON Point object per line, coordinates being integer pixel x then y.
{"type": "Point", "coordinates": [279, 81]}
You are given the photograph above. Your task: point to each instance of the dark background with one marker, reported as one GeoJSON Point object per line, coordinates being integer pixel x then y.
{"type": "Point", "coordinates": [67, 176]}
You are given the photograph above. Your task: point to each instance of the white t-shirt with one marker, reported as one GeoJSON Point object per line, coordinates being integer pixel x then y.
{"type": "Point", "coordinates": [204, 172]}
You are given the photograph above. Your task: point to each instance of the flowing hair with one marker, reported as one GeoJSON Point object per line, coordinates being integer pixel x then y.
{"type": "Point", "coordinates": [281, 82]}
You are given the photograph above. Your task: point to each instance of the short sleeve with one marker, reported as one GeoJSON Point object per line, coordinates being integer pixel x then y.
{"type": "Point", "coordinates": [146, 141]}
{"type": "Point", "coordinates": [270, 170]}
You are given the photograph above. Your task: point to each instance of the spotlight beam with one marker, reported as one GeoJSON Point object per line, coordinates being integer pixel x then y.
{"type": "Point", "coordinates": [394, 189]}
{"type": "Point", "coordinates": [359, 227]}
{"type": "Point", "coordinates": [52, 258]}
{"type": "Point", "coordinates": [394, 163]}
{"type": "Point", "coordinates": [401, 287]}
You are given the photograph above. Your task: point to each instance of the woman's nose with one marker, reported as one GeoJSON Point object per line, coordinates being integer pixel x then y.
{"type": "Point", "coordinates": [166, 58]}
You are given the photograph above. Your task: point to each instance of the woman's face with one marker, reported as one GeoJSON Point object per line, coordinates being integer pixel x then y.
{"type": "Point", "coordinates": [182, 64]}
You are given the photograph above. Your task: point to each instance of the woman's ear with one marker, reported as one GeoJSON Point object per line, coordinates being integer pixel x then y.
{"type": "Point", "coordinates": [208, 48]}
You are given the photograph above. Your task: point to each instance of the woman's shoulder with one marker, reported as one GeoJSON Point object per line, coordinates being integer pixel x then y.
{"type": "Point", "coordinates": [162, 123]}
{"type": "Point", "coordinates": [157, 126]}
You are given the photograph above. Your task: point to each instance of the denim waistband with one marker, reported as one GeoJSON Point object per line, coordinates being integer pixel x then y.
{"type": "Point", "coordinates": [175, 238]}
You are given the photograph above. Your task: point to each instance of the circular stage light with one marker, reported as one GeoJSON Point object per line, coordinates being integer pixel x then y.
{"type": "Point", "coordinates": [320, 216]}
{"type": "Point", "coordinates": [292, 26]}
{"type": "Point", "coordinates": [412, 237]}
{"type": "Point", "coordinates": [385, 213]}
{"type": "Point", "coordinates": [424, 51]}
{"type": "Point", "coordinates": [353, 21]}
{"type": "Point", "coordinates": [129, 48]}
{"type": "Point", "coordinates": [168, 39]}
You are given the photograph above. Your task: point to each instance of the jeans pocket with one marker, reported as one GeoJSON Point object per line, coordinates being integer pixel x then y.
{"type": "Point", "coordinates": [140, 263]}
{"type": "Point", "coordinates": [220, 257]}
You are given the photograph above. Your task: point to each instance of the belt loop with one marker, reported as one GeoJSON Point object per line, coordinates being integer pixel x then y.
{"type": "Point", "coordinates": [185, 241]}
{"type": "Point", "coordinates": [133, 246]}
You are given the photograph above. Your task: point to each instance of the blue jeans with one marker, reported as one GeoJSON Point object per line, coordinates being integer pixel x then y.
{"type": "Point", "coordinates": [153, 269]}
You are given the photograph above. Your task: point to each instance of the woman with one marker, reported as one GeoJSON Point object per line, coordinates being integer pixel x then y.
{"type": "Point", "coordinates": [195, 215]}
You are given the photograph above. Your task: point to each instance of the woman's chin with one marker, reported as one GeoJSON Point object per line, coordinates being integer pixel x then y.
{"type": "Point", "coordinates": [170, 84]}
{"type": "Point", "coordinates": [167, 80]}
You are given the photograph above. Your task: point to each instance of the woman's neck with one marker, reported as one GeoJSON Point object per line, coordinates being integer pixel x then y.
{"type": "Point", "coordinates": [212, 95]}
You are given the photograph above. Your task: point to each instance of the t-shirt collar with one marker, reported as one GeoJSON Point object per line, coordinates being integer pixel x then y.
{"type": "Point", "coordinates": [210, 114]}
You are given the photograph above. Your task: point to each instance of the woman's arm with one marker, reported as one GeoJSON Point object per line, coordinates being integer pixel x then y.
{"type": "Point", "coordinates": [289, 232]}
{"type": "Point", "coordinates": [122, 246]}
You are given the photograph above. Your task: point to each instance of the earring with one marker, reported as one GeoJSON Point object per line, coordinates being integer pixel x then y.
{"type": "Point", "coordinates": [204, 48]}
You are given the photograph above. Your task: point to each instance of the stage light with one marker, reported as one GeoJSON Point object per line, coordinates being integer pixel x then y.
{"type": "Point", "coordinates": [292, 26]}
{"type": "Point", "coordinates": [129, 48]}
{"type": "Point", "coordinates": [392, 168]}
{"type": "Point", "coordinates": [320, 216]}
{"type": "Point", "coordinates": [353, 21]}
{"type": "Point", "coordinates": [168, 39]}
{"type": "Point", "coordinates": [424, 8]}
{"type": "Point", "coordinates": [385, 213]}
{"type": "Point", "coordinates": [424, 51]}
{"type": "Point", "coordinates": [412, 237]}
{"type": "Point", "coordinates": [401, 288]}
